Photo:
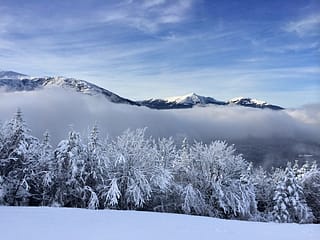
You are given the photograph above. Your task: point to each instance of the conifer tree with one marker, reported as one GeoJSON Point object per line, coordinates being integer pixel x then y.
{"type": "Point", "coordinates": [68, 168]}
{"type": "Point", "coordinates": [290, 204]}
{"type": "Point", "coordinates": [95, 170]}
{"type": "Point", "coordinates": [18, 156]}
{"type": "Point", "coordinates": [311, 189]}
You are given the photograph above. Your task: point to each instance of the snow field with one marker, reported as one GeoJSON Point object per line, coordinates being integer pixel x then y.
{"type": "Point", "coordinates": [41, 223]}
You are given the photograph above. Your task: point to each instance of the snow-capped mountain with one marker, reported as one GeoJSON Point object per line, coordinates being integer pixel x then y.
{"type": "Point", "coordinates": [186, 101]}
{"type": "Point", "coordinates": [13, 81]}
{"type": "Point", "coordinates": [251, 102]}
{"type": "Point", "coordinates": [190, 100]}
{"type": "Point", "coordinates": [12, 75]}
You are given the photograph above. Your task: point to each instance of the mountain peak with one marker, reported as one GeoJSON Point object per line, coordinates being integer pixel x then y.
{"type": "Point", "coordinates": [247, 100]}
{"type": "Point", "coordinates": [191, 98]}
{"type": "Point", "coordinates": [252, 102]}
{"type": "Point", "coordinates": [184, 101]}
{"type": "Point", "coordinates": [12, 75]}
{"type": "Point", "coordinates": [182, 98]}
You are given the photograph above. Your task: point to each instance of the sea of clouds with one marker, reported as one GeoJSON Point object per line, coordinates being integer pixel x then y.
{"type": "Point", "coordinates": [58, 111]}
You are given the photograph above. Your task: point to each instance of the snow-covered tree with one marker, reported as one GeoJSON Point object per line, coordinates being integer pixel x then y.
{"type": "Point", "coordinates": [162, 183]}
{"type": "Point", "coordinates": [18, 157]}
{"type": "Point", "coordinates": [45, 173]}
{"type": "Point", "coordinates": [95, 170]}
{"type": "Point", "coordinates": [215, 182]}
{"type": "Point", "coordinates": [289, 200]}
{"type": "Point", "coordinates": [68, 168]}
{"type": "Point", "coordinates": [311, 189]}
{"type": "Point", "coordinates": [133, 171]}
{"type": "Point", "coordinates": [264, 188]}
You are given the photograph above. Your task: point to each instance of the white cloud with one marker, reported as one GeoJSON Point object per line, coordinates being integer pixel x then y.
{"type": "Point", "coordinates": [152, 3]}
{"type": "Point", "coordinates": [149, 16]}
{"type": "Point", "coordinates": [309, 114]}
{"type": "Point", "coordinates": [309, 25]}
{"type": "Point", "coordinates": [5, 22]}
{"type": "Point", "coordinates": [202, 123]}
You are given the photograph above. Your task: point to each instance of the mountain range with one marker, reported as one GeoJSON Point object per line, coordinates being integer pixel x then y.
{"type": "Point", "coordinates": [12, 81]}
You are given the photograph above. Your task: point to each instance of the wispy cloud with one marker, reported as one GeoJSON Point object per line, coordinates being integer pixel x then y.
{"type": "Point", "coordinates": [294, 47]}
{"type": "Point", "coordinates": [309, 25]}
{"type": "Point", "coordinates": [148, 16]}
{"type": "Point", "coordinates": [5, 22]}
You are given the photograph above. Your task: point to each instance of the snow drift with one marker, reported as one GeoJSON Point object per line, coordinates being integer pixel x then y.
{"type": "Point", "coordinates": [56, 223]}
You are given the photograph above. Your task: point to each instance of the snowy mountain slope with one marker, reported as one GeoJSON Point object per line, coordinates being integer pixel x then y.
{"type": "Point", "coordinates": [12, 75]}
{"type": "Point", "coordinates": [190, 100]}
{"type": "Point", "coordinates": [13, 81]}
{"type": "Point", "coordinates": [250, 102]}
{"type": "Point", "coordinates": [66, 223]}
{"type": "Point", "coordinates": [186, 101]}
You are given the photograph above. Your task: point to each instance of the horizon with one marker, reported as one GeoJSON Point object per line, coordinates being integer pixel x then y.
{"type": "Point", "coordinates": [169, 98]}
{"type": "Point", "coordinates": [159, 48]}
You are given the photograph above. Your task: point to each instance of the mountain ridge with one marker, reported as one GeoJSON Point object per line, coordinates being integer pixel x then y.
{"type": "Point", "coordinates": [13, 81]}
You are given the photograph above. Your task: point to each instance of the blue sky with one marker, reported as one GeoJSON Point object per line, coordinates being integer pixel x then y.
{"type": "Point", "coordinates": [268, 50]}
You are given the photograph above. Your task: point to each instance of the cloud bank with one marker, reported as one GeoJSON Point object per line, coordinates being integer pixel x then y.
{"type": "Point", "coordinates": [58, 110]}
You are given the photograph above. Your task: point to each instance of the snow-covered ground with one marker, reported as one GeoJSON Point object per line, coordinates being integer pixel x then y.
{"type": "Point", "coordinates": [79, 224]}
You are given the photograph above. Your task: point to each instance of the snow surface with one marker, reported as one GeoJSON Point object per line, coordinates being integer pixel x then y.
{"type": "Point", "coordinates": [31, 223]}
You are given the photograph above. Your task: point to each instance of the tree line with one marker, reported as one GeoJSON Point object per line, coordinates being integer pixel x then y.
{"type": "Point", "coordinates": [136, 172]}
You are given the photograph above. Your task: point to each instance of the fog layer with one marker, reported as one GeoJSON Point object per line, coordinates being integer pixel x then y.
{"type": "Point", "coordinates": [59, 110]}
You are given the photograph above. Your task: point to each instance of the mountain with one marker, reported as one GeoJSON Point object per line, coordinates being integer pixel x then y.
{"type": "Point", "coordinates": [250, 102]}
{"type": "Point", "coordinates": [190, 100]}
{"type": "Point", "coordinates": [186, 101]}
{"type": "Point", "coordinates": [14, 81]}
{"type": "Point", "coordinates": [12, 75]}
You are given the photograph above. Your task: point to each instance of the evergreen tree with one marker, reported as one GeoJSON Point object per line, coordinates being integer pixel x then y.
{"type": "Point", "coordinates": [18, 157]}
{"type": "Point", "coordinates": [68, 168]}
{"type": "Point", "coordinates": [95, 171]}
{"type": "Point", "coordinates": [311, 189]}
{"type": "Point", "coordinates": [290, 204]}
{"type": "Point", "coordinates": [45, 171]}
{"type": "Point", "coordinates": [264, 189]}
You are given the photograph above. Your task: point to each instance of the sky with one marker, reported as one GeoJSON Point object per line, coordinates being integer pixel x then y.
{"type": "Point", "coordinates": [268, 50]}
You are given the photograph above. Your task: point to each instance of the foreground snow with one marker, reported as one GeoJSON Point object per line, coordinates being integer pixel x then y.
{"type": "Point", "coordinates": [62, 223]}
